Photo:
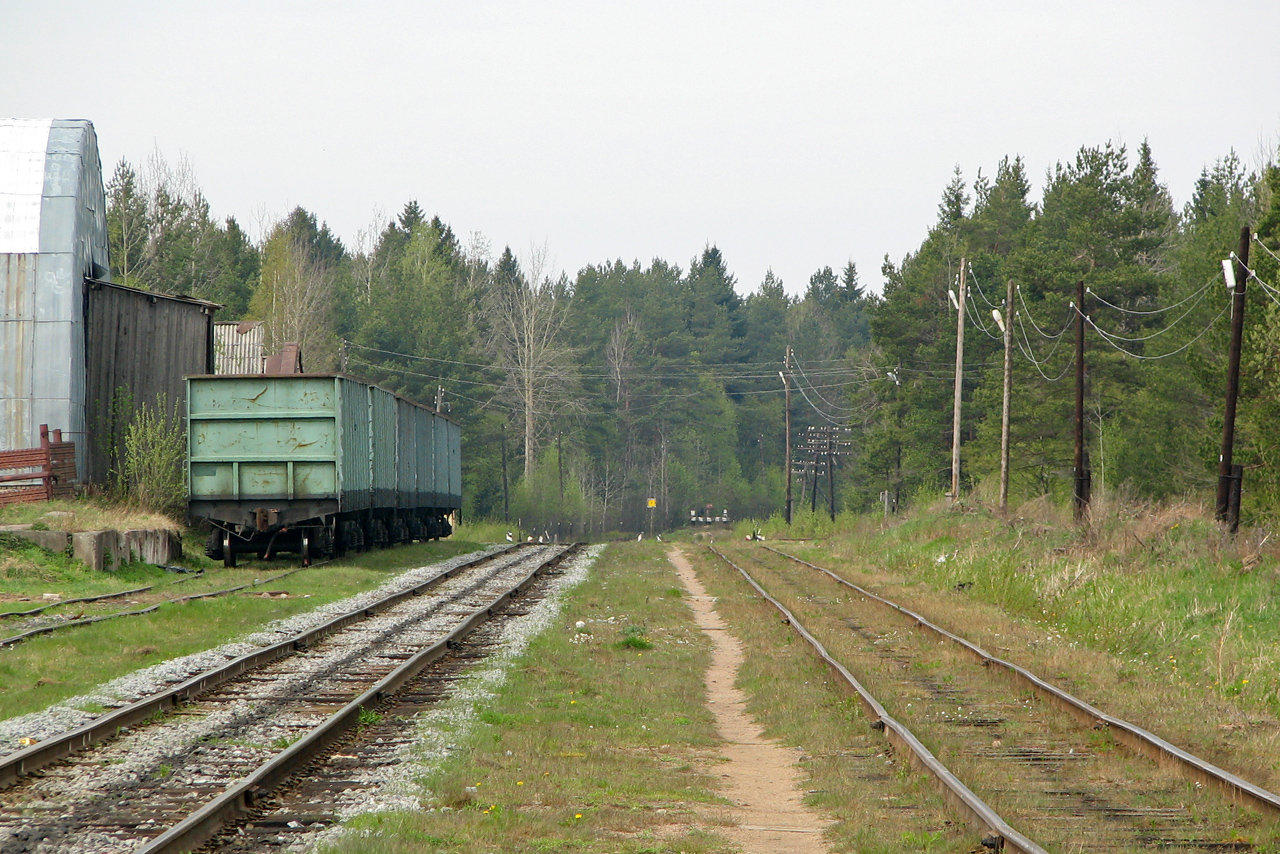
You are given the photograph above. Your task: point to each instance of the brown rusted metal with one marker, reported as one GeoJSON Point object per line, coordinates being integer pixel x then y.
{"type": "Point", "coordinates": [54, 470]}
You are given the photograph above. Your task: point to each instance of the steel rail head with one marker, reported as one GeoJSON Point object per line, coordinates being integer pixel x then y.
{"type": "Point", "coordinates": [29, 759]}
{"type": "Point", "coordinates": [1128, 734]}
{"type": "Point", "coordinates": [203, 824]}
{"type": "Point", "coordinates": [999, 834]}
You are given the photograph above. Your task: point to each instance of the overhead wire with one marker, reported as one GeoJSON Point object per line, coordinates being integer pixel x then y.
{"type": "Point", "coordinates": [1146, 358]}
{"type": "Point", "coordinates": [1203, 288]}
{"type": "Point", "coordinates": [829, 403]}
{"type": "Point", "coordinates": [1024, 345]}
{"type": "Point", "coordinates": [1027, 309]}
{"type": "Point", "coordinates": [1172, 325]}
{"type": "Point", "coordinates": [1264, 246]}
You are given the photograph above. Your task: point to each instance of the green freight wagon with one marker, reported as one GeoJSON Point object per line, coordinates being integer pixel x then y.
{"type": "Point", "coordinates": [317, 464]}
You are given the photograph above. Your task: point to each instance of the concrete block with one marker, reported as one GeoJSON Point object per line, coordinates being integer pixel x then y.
{"type": "Point", "coordinates": [106, 550]}
{"type": "Point", "coordinates": [157, 546]}
{"type": "Point", "coordinates": [90, 547]}
{"type": "Point", "coordinates": [54, 541]}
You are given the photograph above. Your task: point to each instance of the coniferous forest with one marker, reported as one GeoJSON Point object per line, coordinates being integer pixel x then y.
{"type": "Point", "coordinates": [660, 379]}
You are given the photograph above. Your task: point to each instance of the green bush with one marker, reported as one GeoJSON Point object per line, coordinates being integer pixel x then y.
{"type": "Point", "coordinates": [155, 444]}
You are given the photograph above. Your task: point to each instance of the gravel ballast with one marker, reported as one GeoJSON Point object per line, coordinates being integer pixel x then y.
{"type": "Point", "coordinates": [70, 713]}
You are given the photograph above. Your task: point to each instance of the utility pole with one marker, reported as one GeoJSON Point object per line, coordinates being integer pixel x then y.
{"type": "Point", "coordinates": [831, 476]}
{"type": "Point", "coordinates": [1081, 505]}
{"type": "Point", "coordinates": [506, 500]}
{"type": "Point", "coordinates": [1008, 393]}
{"type": "Point", "coordinates": [560, 463]}
{"type": "Point", "coordinates": [955, 414]}
{"type": "Point", "coordinates": [343, 352]}
{"type": "Point", "coordinates": [813, 504]}
{"type": "Point", "coordinates": [1230, 476]}
{"type": "Point", "coordinates": [786, 384]}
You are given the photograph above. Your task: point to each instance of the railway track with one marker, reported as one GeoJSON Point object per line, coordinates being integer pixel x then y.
{"type": "Point", "coordinates": [170, 772]}
{"type": "Point", "coordinates": [1033, 768]}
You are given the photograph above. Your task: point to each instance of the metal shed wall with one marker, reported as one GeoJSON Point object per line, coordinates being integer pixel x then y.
{"type": "Point", "coordinates": [53, 235]}
{"type": "Point", "coordinates": [237, 346]}
{"type": "Point", "coordinates": [139, 347]}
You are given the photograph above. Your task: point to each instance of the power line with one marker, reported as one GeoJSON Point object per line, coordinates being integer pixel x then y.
{"type": "Point", "coordinates": [1203, 288]}
{"type": "Point", "coordinates": [1201, 294]}
{"type": "Point", "coordinates": [1108, 338]}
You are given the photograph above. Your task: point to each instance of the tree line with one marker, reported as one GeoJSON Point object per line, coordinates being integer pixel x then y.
{"type": "Point", "coordinates": [583, 399]}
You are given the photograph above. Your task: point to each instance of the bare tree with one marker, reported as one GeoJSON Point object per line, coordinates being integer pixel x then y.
{"type": "Point", "coordinates": [364, 260]}
{"type": "Point", "coordinates": [301, 297]}
{"type": "Point", "coordinates": [525, 312]}
{"type": "Point", "coordinates": [619, 352]}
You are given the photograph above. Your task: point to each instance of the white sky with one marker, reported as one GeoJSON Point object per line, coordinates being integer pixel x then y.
{"type": "Point", "coordinates": [792, 135]}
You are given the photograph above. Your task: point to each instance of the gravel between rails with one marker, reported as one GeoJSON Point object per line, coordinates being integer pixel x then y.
{"type": "Point", "coordinates": [149, 777]}
{"type": "Point", "coordinates": [394, 782]}
{"type": "Point", "coordinates": [69, 713]}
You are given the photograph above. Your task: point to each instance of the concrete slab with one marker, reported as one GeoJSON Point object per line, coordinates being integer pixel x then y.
{"type": "Point", "coordinates": [54, 541]}
{"type": "Point", "coordinates": [106, 550]}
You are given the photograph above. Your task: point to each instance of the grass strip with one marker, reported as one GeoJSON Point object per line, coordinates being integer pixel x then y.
{"type": "Point", "coordinates": [599, 739]}
{"type": "Point", "coordinates": [44, 630]}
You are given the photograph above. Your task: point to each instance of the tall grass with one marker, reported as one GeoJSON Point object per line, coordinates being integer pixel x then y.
{"type": "Point", "coordinates": [1140, 581]}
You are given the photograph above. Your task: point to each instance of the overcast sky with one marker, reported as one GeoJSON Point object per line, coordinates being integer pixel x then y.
{"type": "Point", "coordinates": [791, 135]}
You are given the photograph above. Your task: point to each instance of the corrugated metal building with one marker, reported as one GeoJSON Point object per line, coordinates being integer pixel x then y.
{"type": "Point", "coordinates": [237, 346]}
{"type": "Point", "coordinates": [53, 235]}
{"type": "Point", "coordinates": [71, 342]}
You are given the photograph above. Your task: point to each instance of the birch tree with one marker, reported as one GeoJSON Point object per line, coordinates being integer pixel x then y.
{"type": "Point", "coordinates": [524, 312]}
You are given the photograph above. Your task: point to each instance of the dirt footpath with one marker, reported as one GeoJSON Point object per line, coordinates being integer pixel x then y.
{"type": "Point", "coordinates": [761, 776]}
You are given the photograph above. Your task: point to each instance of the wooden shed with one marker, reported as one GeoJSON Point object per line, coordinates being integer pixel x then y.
{"type": "Point", "coordinates": [140, 347]}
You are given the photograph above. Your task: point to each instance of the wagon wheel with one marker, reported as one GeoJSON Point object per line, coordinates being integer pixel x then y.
{"type": "Point", "coordinates": [213, 545]}
{"type": "Point", "coordinates": [228, 551]}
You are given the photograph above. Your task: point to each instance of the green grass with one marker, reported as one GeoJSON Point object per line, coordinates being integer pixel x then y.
{"type": "Point", "coordinates": [1176, 623]}
{"type": "Point", "coordinates": [50, 668]}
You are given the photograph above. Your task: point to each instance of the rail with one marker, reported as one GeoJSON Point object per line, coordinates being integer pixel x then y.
{"type": "Point", "coordinates": [202, 825]}
{"type": "Point", "coordinates": [1127, 734]}
{"type": "Point", "coordinates": [999, 834]}
{"type": "Point", "coordinates": [29, 759]}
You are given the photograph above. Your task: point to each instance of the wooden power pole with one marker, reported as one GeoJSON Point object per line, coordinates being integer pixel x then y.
{"type": "Point", "coordinates": [1081, 503]}
{"type": "Point", "coordinates": [1008, 393]}
{"type": "Point", "coordinates": [786, 383]}
{"type": "Point", "coordinates": [955, 414]}
{"type": "Point", "coordinates": [1229, 476]}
